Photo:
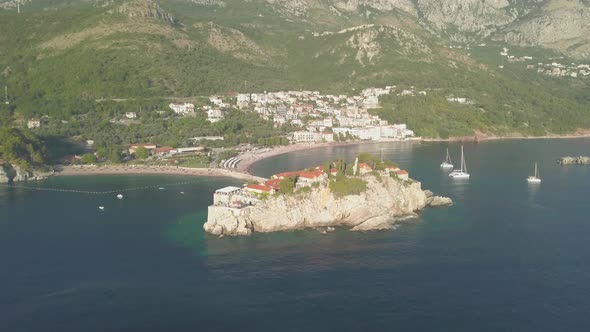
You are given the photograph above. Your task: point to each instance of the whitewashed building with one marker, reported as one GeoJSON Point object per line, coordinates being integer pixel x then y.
{"type": "Point", "coordinates": [182, 108]}
{"type": "Point", "coordinates": [34, 123]}
{"type": "Point", "coordinates": [214, 115]}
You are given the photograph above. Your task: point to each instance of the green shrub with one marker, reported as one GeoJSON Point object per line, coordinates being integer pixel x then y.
{"type": "Point", "coordinates": [347, 186]}
{"type": "Point", "coordinates": [377, 175]}
{"type": "Point", "coordinates": [304, 190]}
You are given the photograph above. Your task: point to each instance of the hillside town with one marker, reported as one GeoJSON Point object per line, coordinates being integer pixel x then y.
{"type": "Point", "coordinates": [319, 118]}
{"type": "Point", "coordinates": [551, 67]}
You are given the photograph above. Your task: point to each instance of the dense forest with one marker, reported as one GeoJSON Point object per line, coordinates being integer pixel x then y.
{"type": "Point", "coordinates": [21, 147]}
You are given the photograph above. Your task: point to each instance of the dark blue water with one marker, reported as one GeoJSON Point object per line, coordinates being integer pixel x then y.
{"type": "Point", "coordinates": [506, 257]}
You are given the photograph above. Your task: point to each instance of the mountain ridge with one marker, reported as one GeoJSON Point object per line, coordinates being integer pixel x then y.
{"type": "Point", "coordinates": [130, 49]}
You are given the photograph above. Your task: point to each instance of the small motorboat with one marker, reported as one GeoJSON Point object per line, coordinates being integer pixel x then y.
{"type": "Point", "coordinates": [120, 196]}
{"type": "Point", "coordinates": [101, 207]}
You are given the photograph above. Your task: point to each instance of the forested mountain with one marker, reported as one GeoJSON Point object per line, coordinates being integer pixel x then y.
{"type": "Point", "coordinates": [57, 56]}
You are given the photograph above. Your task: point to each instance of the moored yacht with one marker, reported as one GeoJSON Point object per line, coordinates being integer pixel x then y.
{"type": "Point", "coordinates": [460, 173]}
{"type": "Point", "coordinates": [447, 163]}
{"type": "Point", "coordinates": [535, 178]}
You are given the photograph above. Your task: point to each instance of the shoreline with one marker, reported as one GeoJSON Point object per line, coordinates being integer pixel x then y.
{"type": "Point", "coordinates": [252, 157]}
{"type": "Point", "coordinates": [244, 167]}
{"type": "Point", "coordinates": [84, 170]}
{"type": "Point", "coordinates": [482, 138]}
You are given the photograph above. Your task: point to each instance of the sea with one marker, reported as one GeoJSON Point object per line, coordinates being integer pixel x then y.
{"type": "Point", "coordinates": [506, 256]}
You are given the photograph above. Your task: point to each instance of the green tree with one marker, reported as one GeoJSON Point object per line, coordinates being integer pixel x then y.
{"type": "Point", "coordinates": [114, 155]}
{"type": "Point", "coordinates": [327, 167]}
{"type": "Point", "coordinates": [102, 152]}
{"type": "Point", "coordinates": [287, 185]}
{"type": "Point", "coordinates": [88, 158]}
{"type": "Point", "coordinates": [142, 153]}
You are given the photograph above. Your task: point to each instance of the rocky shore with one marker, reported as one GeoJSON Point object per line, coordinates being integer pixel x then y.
{"type": "Point", "coordinates": [379, 207]}
{"type": "Point", "coordinates": [14, 173]}
{"type": "Point", "coordinates": [574, 161]}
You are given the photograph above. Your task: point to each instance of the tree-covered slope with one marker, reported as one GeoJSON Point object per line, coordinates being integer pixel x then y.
{"type": "Point", "coordinates": [58, 57]}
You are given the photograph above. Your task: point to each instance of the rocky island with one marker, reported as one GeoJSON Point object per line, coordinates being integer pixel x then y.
{"type": "Point", "coordinates": [368, 195]}
{"type": "Point", "coordinates": [574, 161]}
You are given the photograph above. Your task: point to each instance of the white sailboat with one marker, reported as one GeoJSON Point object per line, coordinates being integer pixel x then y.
{"type": "Point", "coordinates": [535, 178]}
{"type": "Point", "coordinates": [447, 163]}
{"type": "Point", "coordinates": [461, 173]}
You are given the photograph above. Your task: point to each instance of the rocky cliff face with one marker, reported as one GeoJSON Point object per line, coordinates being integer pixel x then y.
{"type": "Point", "coordinates": [145, 9]}
{"type": "Point", "coordinates": [377, 208]}
{"type": "Point", "coordinates": [457, 17]}
{"type": "Point", "coordinates": [562, 25]}
{"type": "Point", "coordinates": [13, 173]}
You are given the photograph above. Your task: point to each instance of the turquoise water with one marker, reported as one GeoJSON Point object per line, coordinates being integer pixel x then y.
{"type": "Point", "coordinates": [506, 257]}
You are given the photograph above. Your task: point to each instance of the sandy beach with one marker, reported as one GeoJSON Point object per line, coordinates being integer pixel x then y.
{"type": "Point", "coordinates": [240, 172]}
{"type": "Point", "coordinates": [151, 170]}
{"type": "Point", "coordinates": [251, 157]}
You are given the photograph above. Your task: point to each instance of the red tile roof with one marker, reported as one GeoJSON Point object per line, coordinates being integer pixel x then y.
{"type": "Point", "coordinates": [364, 165]}
{"type": "Point", "coordinates": [164, 149]}
{"type": "Point", "coordinates": [259, 187]}
{"type": "Point", "coordinates": [273, 184]}
{"type": "Point", "coordinates": [287, 174]}
{"type": "Point", "coordinates": [311, 175]}
{"type": "Point", "coordinates": [401, 171]}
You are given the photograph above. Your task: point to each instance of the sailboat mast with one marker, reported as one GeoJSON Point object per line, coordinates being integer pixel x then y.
{"type": "Point", "coordinates": [463, 165]}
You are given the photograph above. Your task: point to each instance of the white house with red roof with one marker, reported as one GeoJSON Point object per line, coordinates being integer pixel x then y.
{"type": "Point", "coordinates": [285, 175]}
{"type": "Point", "coordinates": [164, 150]}
{"type": "Point", "coordinates": [274, 184]}
{"type": "Point", "coordinates": [402, 174]}
{"type": "Point", "coordinates": [259, 189]}
{"type": "Point", "coordinates": [333, 171]}
{"type": "Point", "coordinates": [364, 168]}
{"type": "Point", "coordinates": [390, 169]}
{"type": "Point", "coordinates": [308, 178]}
